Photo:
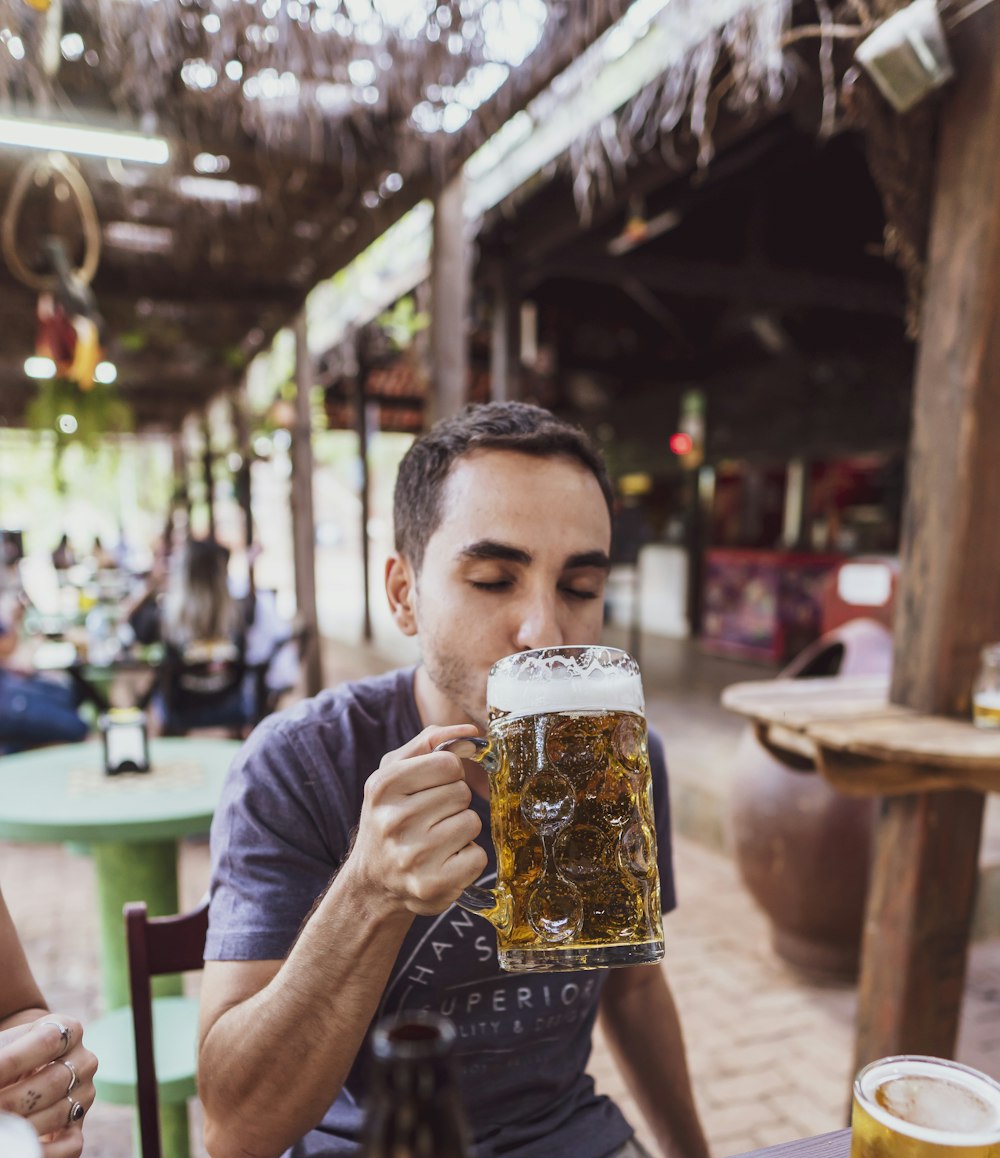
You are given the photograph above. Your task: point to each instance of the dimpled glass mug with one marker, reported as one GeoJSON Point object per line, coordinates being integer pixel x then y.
{"type": "Point", "coordinates": [571, 811]}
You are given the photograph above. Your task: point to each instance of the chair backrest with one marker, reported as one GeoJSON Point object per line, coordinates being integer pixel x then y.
{"type": "Point", "coordinates": [156, 945]}
{"type": "Point", "coordinates": [202, 686]}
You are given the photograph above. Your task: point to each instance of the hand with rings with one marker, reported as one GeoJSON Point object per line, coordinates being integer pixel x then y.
{"type": "Point", "coordinates": [47, 1077]}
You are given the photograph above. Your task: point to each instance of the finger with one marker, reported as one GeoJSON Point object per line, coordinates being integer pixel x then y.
{"type": "Point", "coordinates": [38, 1043]}
{"type": "Point", "coordinates": [432, 805]}
{"type": "Point", "coordinates": [433, 890]}
{"type": "Point", "coordinates": [427, 740]}
{"type": "Point", "coordinates": [413, 775]}
{"type": "Point", "coordinates": [67, 1111]}
{"type": "Point", "coordinates": [65, 1144]}
{"type": "Point", "coordinates": [453, 833]}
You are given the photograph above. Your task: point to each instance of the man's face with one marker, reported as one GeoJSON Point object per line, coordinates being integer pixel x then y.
{"type": "Point", "coordinates": [519, 561]}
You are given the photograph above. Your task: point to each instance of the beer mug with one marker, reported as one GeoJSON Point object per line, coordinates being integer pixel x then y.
{"type": "Point", "coordinates": [924, 1107]}
{"type": "Point", "coordinates": [571, 812]}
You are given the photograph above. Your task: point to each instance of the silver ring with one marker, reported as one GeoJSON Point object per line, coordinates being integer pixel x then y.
{"type": "Point", "coordinates": [74, 1077]}
{"type": "Point", "coordinates": [76, 1110]}
{"type": "Point", "coordinates": [62, 1029]}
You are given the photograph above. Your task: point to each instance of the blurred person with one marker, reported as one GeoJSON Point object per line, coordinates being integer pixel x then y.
{"type": "Point", "coordinates": [46, 1073]}
{"type": "Point", "coordinates": [343, 839]}
{"type": "Point", "coordinates": [204, 630]}
{"type": "Point", "coordinates": [101, 558]}
{"type": "Point", "coordinates": [196, 603]}
{"type": "Point", "coordinates": [34, 709]}
{"type": "Point", "coordinates": [63, 557]}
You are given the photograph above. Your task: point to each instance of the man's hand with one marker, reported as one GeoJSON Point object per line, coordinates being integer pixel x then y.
{"type": "Point", "coordinates": [415, 843]}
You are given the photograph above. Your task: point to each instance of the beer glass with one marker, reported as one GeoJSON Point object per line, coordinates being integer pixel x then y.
{"type": "Point", "coordinates": [924, 1107]}
{"type": "Point", "coordinates": [571, 812]}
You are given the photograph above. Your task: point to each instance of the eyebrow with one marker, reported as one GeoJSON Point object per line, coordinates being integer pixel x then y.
{"type": "Point", "coordinates": [504, 552]}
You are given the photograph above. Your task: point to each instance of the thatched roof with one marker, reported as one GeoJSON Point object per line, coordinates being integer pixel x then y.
{"type": "Point", "coordinates": [330, 118]}
{"type": "Point", "coordinates": [327, 116]}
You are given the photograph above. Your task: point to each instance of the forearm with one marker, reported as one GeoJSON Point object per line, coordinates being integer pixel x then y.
{"type": "Point", "coordinates": [291, 1046]}
{"type": "Point", "coordinates": [640, 1023]}
{"type": "Point", "coordinates": [23, 1016]}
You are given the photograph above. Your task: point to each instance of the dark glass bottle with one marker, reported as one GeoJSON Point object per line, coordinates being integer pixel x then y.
{"type": "Point", "coordinates": [414, 1109]}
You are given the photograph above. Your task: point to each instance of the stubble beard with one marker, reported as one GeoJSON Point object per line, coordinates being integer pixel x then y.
{"type": "Point", "coordinates": [458, 684]}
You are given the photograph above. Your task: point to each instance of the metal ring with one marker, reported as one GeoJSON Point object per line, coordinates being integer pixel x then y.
{"type": "Point", "coordinates": [74, 1077]}
{"type": "Point", "coordinates": [76, 1110]}
{"type": "Point", "coordinates": [64, 1031]}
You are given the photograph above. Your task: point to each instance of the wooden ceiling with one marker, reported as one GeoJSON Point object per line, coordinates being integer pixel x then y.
{"type": "Point", "coordinates": [185, 315]}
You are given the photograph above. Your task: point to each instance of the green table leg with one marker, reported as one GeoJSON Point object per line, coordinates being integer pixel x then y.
{"type": "Point", "coordinates": [132, 872]}
{"type": "Point", "coordinates": [139, 872]}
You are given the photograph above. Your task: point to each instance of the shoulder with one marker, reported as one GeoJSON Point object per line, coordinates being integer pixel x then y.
{"type": "Point", "coordinates": [374, 713]}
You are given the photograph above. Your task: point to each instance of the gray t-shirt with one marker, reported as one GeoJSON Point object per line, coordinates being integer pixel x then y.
{"type": "Point", "coordinates": [291, 801]}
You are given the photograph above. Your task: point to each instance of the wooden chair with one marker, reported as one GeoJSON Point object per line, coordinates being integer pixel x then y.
{"type": "Point", "coordinates": [147, 1053]}
{"type": "Point", "coordinates": [197, 693]}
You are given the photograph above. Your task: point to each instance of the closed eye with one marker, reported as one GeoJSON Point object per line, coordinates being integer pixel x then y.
{"type": "Point", "coordinates": [496, 585]}
{"type": "Point", "coordinates": [579, 593]}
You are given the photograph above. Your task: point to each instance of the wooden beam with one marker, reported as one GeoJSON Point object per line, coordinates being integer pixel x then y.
{"type": "Point", "coordinates": [303, 518]}
{"type": "Point", "coordinates": [948, 604]}
{"type": "Point", "coordinates": [450, 274]}
{"type": "Point", "coordinates": [765, 285]}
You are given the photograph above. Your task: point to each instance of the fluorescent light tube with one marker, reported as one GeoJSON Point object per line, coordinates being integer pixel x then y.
{"type": "Point", "coordinates": [33, 134]}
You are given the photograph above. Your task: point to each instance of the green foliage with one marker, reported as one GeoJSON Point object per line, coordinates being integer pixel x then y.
{"type": "Point", "coordinates": [98, 412]}
{"type": "Point", "coordinates": [403, 322]}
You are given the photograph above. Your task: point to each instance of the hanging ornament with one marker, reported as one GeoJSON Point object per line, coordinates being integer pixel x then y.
{"type": "Point", "coordinates": [70, 328]}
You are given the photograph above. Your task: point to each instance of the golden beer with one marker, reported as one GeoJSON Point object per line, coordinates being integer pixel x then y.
{"type": "Point", "coordinates": [571, 812]}
{"type": "Point", "coordinates": [924, 1107]}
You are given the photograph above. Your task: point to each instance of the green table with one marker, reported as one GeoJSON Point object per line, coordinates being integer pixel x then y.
{"type": "Point", "coordinates": [131, 825]}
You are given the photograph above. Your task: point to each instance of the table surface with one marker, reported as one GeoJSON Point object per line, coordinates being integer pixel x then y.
{"type": "Point", "coordinates": [836, 1145]}
{"type": "Point", "coordinates": [862, 741]}
{"type": "Point", "coordinates": [62, 793]}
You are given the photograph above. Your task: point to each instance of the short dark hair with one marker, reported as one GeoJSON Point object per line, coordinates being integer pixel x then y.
{"type": "Point", "coordinates": [514, 426]}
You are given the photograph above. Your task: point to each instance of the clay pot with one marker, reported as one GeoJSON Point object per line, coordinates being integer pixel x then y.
{"type": "Point", "coordinates": [803, 849]}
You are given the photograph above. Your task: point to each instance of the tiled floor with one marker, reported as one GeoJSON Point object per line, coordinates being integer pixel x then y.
{"type": "Point", "coordinates": [770, 1051]}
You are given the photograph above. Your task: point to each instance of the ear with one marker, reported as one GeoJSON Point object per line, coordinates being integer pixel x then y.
{"type": "Point", "coordinates": [400, 589]}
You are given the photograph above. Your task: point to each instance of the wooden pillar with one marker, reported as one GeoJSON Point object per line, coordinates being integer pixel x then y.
{"type": "Point", "coordinates": [505, 340]}
{"type": "Point", "coordinates": [243, 475]}
{"type": "Point", "coordinates": [303, 521]}
{"type": "Point", "coordinates": [919, 914]}
{"type": "Point", "coordinates": [180, 500]}
{"type": "Point", "coordinates": [450, 272]}
{"type": "Point", "coordinates": [361, 427]}
{"type": "Point", "coordinates": [207, 474]}
{"type": "Point", "coordinates": [794, 532]}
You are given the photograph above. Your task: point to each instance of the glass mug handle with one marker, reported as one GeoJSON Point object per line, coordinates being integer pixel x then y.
{"type": "Point", "coordinates": [493, 904]}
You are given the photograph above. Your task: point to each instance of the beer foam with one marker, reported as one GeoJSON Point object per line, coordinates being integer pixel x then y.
{"type": "Point", "coordinates": [933, 1101]}
{"type": "Point", "coordinates": [557, 680]}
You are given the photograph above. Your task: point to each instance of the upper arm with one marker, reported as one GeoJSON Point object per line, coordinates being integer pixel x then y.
{"type": "Point", "coordinates": [226, 984]}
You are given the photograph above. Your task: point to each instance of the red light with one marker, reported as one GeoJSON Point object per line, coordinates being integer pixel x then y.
{"type": "Point", "coordinates": [681, 443]}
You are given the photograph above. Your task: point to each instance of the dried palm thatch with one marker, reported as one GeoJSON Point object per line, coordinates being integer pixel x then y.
{"type": "Point", "coordinates": [745, 63]}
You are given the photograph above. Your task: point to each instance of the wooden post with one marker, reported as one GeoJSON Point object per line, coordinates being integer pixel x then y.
{"type": "Point", "coordinates": [303, 521]}
{"type": "Point", "coordinates": [361, 426]}
{"type": "Point", "coordinates": [207, 474]}
{"type": "Point", "coordinates": [181, 497]}
{"type": "Point", "coordinates": [919, 913]}
{"type": "Point", "coordinates": [505, 340]}
{"type": "Point", "coordinates": [450, 273]}
{"type": "Point", "coordinates": [242, 482]}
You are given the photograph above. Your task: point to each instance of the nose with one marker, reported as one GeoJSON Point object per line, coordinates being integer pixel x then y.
{"type": "Point", "coordinates": [538, 624]}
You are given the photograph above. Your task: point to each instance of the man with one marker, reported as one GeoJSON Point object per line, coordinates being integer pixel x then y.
{"type": "Point", "coordinates": [503, 534]}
